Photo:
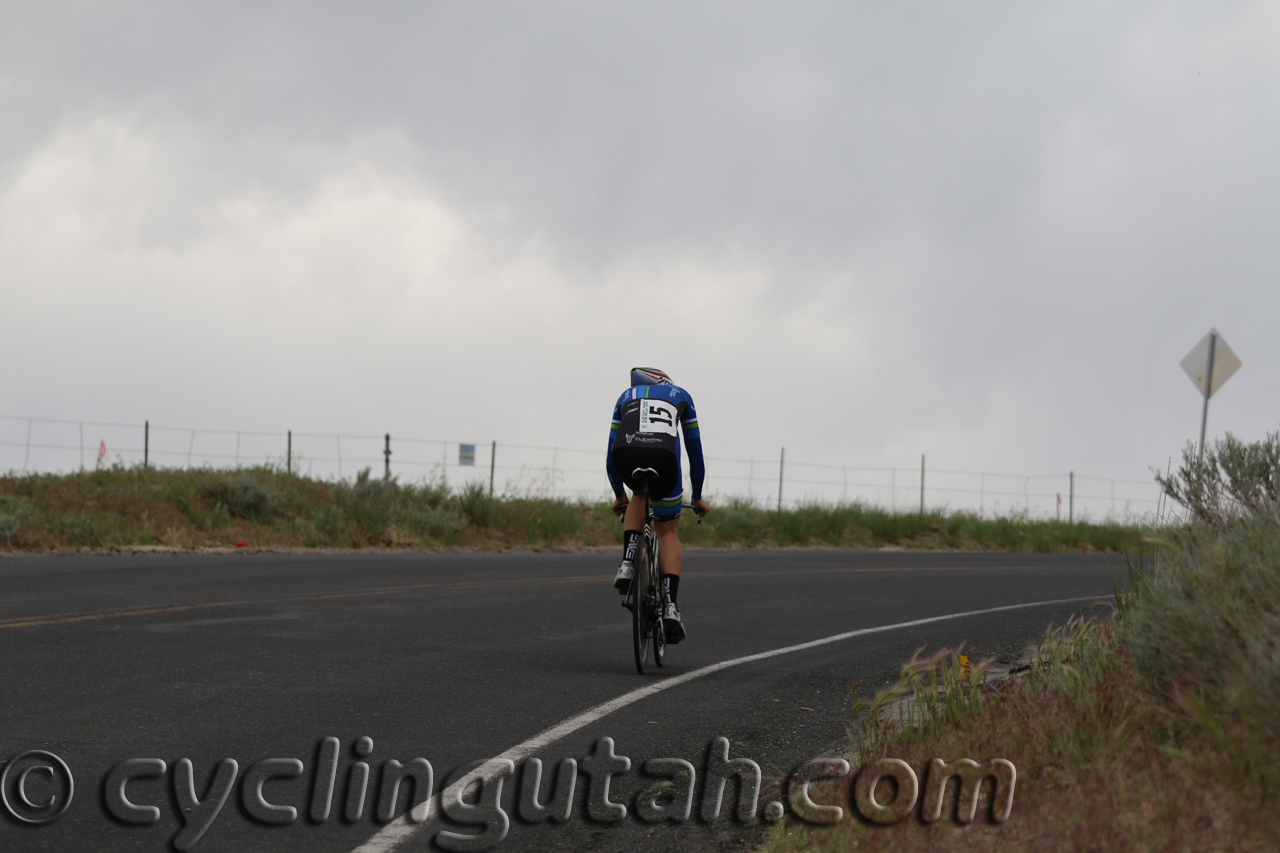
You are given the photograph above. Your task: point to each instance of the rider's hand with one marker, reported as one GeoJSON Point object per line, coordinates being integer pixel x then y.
{"type": "Point", "coordinates": [701, 507]}
{"type": "Point", "coordinates": [618, 504]}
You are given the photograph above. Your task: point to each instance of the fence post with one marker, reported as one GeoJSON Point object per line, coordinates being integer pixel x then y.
{"type": "Point", "coordinates": [493, 455]}
{"type": "Point", "coordinates": [782, 461]}
{"type": "Point", "coordinates": [288, 453]}
{"type": "Point", "coordinates": [146, 443]}
{"type": "Point", "coordinates": [1208, 389]}
{"type": "Point", "coordinates": [82, 450]}
{"type": "Point", "coordinates": [1071, 500]}
{"type": "Point", "coordinates": [922, 484]}
{"type": "Point", "coordinates": [386, 455]}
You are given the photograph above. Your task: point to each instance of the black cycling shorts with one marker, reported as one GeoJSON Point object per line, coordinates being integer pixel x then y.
{"type": "Point", "coordinates": [626, 459]}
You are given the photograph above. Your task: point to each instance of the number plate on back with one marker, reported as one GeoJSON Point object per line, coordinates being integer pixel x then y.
{"type": "Point", "coordinates": [657, 416]}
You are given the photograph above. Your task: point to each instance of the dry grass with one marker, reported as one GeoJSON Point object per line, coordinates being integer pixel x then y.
{"type": "Point", "coordinates": [1104, 765]}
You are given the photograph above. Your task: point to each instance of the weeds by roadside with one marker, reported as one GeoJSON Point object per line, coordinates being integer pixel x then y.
{"type": "Point", "coordinates": [1154, 727]}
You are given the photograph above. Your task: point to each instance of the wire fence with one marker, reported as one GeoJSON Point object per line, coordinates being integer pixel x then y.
{"type": "Point", "coordinates": [47, 445]}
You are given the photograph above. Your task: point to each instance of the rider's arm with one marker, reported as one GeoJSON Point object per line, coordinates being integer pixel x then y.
{"type": "Point", "coordinates": [693, 445]}
{"type": "Point", "coordinates": [614, 479]}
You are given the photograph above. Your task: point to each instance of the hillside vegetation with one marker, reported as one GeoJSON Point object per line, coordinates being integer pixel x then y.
{"type": "Point", "coordinates": [120, 507]}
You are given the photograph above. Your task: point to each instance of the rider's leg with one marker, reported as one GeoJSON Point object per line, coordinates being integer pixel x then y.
{"type": "Point", "coordinates": [669, 556]}
{"type": "Point", "coordinates": [669, 559]}
{"type": "Point", "coordinates": [632, 526]}
{"type": "Point", "coordinates": [634, 518]}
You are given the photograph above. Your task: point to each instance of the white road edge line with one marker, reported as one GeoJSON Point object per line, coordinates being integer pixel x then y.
{"type": "Point", "coordinates": [402, 828]}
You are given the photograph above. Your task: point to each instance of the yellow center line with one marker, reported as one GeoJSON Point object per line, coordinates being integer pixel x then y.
{"type": "Point", "coordinates": [150, 610]}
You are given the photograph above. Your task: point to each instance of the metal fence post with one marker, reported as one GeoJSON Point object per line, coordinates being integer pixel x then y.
{"type": "Point", "coordinates": [922, 484]}
{"type": "Point", "coordinates": [82, 447]}
{"type": "Point", "coordinates": [1208, 389]}
{"type": "Point", "coordinates": [146, 443]}
{"type": "Point", "coordinates": [288, 453]}
{"type": "Point", "coordinates": [782, 461]}
{"type": "Point", "coordinates": [1071, 499]}
{"type": "Point", "coordinates": [386, 456]}
{"type": "Point", "coordinates": [493, 455]}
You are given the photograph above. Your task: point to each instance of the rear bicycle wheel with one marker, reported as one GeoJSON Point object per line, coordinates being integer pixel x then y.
{"type": "Point", "coordinates": [641, 629]}
{"type": "Point", "coordinates": [655, 582]}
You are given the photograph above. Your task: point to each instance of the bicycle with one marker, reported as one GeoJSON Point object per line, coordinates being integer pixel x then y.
{"type": "Point", "coordinates": [644, 596]}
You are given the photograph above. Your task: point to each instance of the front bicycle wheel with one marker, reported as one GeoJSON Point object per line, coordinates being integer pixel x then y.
{"type": "Point", "coordinates": [640, 589]}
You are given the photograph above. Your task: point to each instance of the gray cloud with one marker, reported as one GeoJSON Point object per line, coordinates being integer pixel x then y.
{"type": "Point", "coordinates": [987, 233]}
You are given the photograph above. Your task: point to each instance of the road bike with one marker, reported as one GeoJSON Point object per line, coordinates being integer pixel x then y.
{"type": "Point", "coordinates": [644, 596]}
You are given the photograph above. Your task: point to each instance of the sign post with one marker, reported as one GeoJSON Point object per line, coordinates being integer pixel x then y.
{"type": "Point", "coordinates": [1209, 364]}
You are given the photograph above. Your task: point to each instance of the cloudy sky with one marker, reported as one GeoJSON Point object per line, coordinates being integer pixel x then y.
{"type": "Point", "coordinates": [987, 232]}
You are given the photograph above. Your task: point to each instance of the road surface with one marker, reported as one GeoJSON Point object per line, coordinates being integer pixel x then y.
{"type": "Point", "coordinates": [453, 658]}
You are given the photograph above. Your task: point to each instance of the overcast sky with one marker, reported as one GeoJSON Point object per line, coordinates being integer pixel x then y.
{"type": "Point", "coordinates": [987, 232]}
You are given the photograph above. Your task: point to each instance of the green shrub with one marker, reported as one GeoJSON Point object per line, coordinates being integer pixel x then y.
{"type": "Point", "coordinates": [1233, 479]}
{"type": "Point", "coordinates": [367, 506]}
{"type": "Point", "coordinates": [1207, 626]}
{"type": "Point", "coordinates": [243, 497]}
{"type": "Point", "coordinates": [435, 522]}
{"type": "Point", "coordinates": [475, 504]}
{"type": "Point", "coordinates": [12, 512]}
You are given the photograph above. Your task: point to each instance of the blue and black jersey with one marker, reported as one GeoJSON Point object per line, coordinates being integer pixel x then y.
{"type": "Point", "coordinates": [647, 422]}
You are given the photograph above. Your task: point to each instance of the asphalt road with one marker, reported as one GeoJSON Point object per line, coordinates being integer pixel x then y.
{"type": "Point", "coordinates": [455, 658]}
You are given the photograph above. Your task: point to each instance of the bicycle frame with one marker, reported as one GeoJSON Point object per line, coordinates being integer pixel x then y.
{"type": "Point", "coordinates": [644, 597]}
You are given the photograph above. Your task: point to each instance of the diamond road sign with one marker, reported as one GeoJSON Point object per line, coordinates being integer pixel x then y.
{"type": "Point", "coordinates": [1196, 363]}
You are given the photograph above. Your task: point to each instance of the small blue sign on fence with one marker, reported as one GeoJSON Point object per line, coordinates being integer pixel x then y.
{"type": "Point", "coordinates": [466, 454]}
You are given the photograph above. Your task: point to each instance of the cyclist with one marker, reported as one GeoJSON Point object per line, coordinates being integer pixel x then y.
{"type": "Point", "coordinates": [644, 435]}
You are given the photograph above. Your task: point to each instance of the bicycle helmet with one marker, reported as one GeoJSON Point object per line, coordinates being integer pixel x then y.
{"type": "Point", "coordinates": [649, 376]}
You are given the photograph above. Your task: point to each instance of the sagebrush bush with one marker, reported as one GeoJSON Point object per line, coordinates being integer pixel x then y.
{"type": "Point", "coordinates": [12, 511]}
{"type": "Point", "coordinates": [243, 496]}
{"type": "Point", "coordinates": [1207, 630]}
{"type": "Point", "coordinates": [1232, 480]}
